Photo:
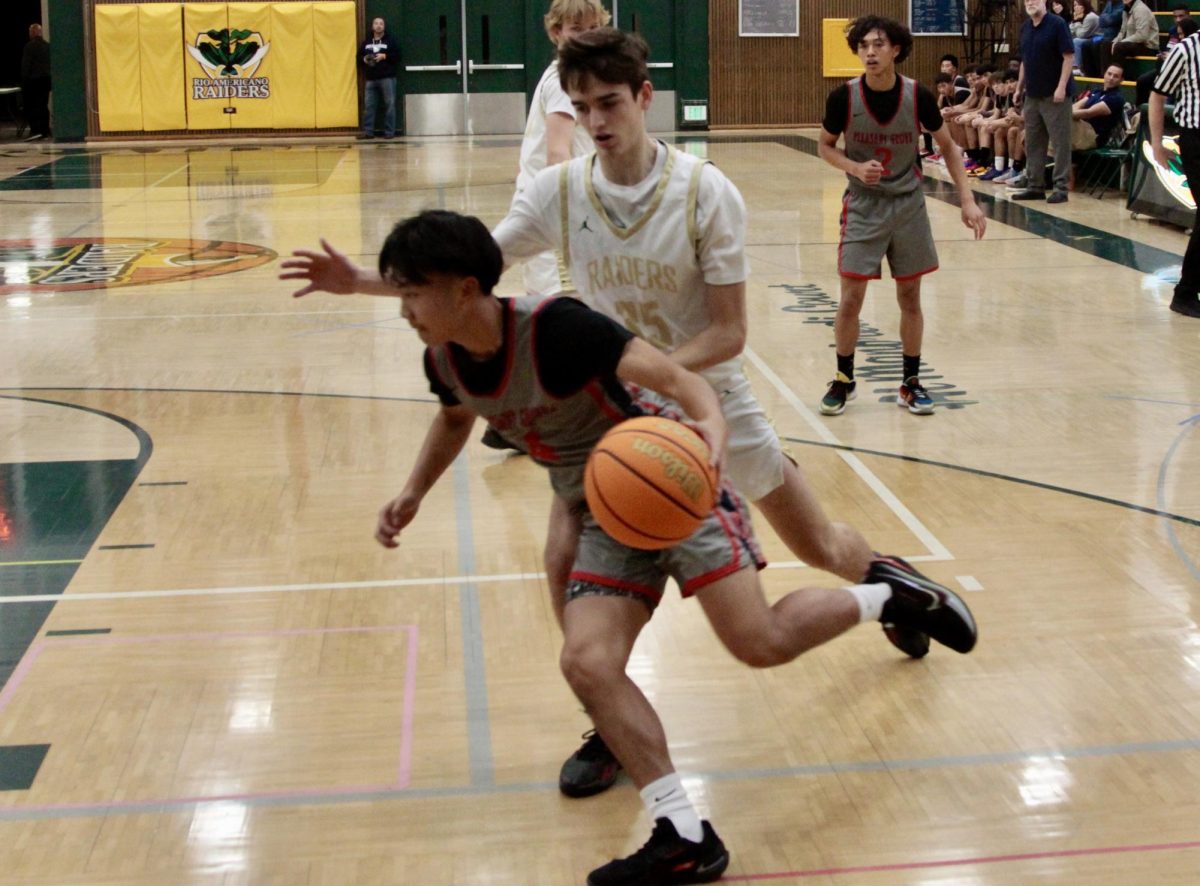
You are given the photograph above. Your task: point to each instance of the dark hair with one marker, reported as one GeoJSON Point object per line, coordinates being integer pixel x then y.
{"type": "Point", "coordinates": [606, 55]}
{"type": "Point", "coordinates": [983, 70]}
{"type": "Point", "coordinates": [897, 34]}
{"type": "Point", "coordinates": [1182, 5]}
{"type": "Point", "coordinates": [1186, 27]}
{"type": "Point", "coordinates": [949, 57]}
{"type": "Point", "coordinates": [1086, 4]}
{"type": "Point", "coordinates": [1010, 75]}
{"type": "Point", "coordinates": [943, 78]}
{"type": "Point", "coordinates": [1116, 64]}
{"type": "Point", "coordinates": [440, 242]}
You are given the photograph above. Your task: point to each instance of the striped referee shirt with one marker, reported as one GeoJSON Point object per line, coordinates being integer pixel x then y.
{"type": "Point", "coordinates": [1180, 76]}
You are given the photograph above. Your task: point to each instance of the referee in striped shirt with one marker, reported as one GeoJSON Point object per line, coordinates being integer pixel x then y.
{"type": "Point", "coordinates": [1180, 76]}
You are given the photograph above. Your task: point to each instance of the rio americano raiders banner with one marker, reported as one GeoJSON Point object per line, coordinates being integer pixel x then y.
{"type": "Point", "coordinates": [205, 66]}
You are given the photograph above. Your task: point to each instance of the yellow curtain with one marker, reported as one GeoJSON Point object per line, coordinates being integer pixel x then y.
{"type": "Point", "coordinates": [335, 35]}
{"type": "Point", "coordinates": [294, 92]}
{"type": "Point", "coordinates": [118, 73]}
{"type": "Point", "coordinates": [159, 26]}
{"type": "Point", "coordinates": [203, 86]}
{"type": "Point", "coordinates": [255, 104]}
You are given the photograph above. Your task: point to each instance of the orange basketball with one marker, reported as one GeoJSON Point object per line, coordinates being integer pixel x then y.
{"type": "Point", "coordinates": [648, 482]}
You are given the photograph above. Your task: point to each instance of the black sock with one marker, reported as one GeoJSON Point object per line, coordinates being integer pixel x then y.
{"type": "Point", "coordinates": [846, 366]}
{"type": "Point", "coordinates": [912, 366]}
{"type": "Point", "coordinates": [983, 156]}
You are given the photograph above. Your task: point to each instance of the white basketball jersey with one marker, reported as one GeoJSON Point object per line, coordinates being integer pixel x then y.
{"type": "Point", "coordinates": [644, 274]}
{"type": "Point", "coordinates": [548, 98]}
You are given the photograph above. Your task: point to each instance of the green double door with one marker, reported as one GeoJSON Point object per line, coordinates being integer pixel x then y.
{"type": "Point", "coordinates": [464, 66]}
{"type": "Point", "coordinates": [654, 21]}
{"type": "Point", "coordinates": [470, 65]}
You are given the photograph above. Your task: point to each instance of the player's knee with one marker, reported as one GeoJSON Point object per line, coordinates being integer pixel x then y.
{"type": "Point", "coordinates": [589, 668]}
{"type": "Point", "coordinates": [762, 650]}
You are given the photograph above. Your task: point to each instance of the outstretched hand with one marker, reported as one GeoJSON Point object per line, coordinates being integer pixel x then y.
{"type": "Point", "coordinates": [393, 517]}
{"type": "Point", "coordinates": [973, 218]}
{"type": "Point", "coordinates": [328, 271]}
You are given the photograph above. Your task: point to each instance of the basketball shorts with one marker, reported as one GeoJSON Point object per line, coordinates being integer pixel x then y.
{"type": "Point", "coordinates": [724, 544]}
{"type": "Point", "coordinates": [754, 455]}
{"type": "Point", "coordinates": [878, 225]}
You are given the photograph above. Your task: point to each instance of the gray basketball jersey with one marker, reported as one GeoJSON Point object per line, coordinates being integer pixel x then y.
{"type": "Point", "coordinates": [555, 432]}
{"type": "Point", "coordinates": [894, 143]}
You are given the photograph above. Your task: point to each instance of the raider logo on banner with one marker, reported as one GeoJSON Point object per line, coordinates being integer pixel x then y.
{"type": "Point", "coordinates": [230, 57]}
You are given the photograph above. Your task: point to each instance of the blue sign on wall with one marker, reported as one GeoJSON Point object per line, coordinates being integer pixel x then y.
{"type": "Point", "coordinates": [936, 17]}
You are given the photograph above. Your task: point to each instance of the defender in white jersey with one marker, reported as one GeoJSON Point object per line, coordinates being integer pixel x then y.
{"type": "Point", "coordinates": [551, 135]}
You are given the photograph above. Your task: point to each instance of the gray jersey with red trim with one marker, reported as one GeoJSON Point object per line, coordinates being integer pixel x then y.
{"type": "Point", "coordinates": [894, 143]}
{"type": "Point", "coordinates": [556, 432]}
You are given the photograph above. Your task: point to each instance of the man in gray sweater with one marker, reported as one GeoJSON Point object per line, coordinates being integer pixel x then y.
{"type": "Point", "coordinates": [1138, 34]}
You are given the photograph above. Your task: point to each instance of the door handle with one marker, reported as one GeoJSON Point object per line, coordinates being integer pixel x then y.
{"type": "Point", "coordinates": [660, 64]}
{"type": "Point", "coordinates": [456, 67]}
{"type": "Point", "coordinates": [472, 67]}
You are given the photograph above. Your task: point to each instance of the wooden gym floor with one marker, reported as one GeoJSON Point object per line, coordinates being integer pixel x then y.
{"type": "Point", "coordinates": [212, 674]}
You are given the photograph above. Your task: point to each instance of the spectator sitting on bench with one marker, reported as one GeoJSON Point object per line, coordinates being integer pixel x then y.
{"type": "Point", "coordinates": [1139, 32]}
{"type": "Point", "coordinates": [1098, 112]}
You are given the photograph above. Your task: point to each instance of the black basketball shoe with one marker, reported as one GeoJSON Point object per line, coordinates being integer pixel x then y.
{"type": "Point", "coordinates": [912, 643]}
{"type": "Point", "coordinates": [589, 770]}
{"type": "Point", "coordinates": [666, 859]}
{"type": "Point", "coordinates": [921, 604]}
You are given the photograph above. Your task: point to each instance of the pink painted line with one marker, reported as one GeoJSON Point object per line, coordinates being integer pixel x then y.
{"type": "Point", "coordinates": [960, 862]}
{"type": "Point", "coordinates": [403, 775]}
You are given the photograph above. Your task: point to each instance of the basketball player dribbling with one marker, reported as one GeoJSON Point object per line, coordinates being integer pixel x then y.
{"type": "Point", "coordinates": [548, 375]}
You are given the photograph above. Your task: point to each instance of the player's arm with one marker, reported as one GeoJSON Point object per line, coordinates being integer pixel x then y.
{"type": "Point", "coordinates": [724, 337]}
{"type": "Point", "coordinates": [972, 215]}
{"type": "Point", "coordinates": [827, 149]}
{"type": "Point", "coordinates": [560, 129]}
{"type": "Point", "coordinates": [645, 365]}
{"type": "Point", "coordinates": [1157, 112]}
{"type": "Point", "coordinates": [449, 432]}
{"type": "Point", "coordinates": [332, 271]}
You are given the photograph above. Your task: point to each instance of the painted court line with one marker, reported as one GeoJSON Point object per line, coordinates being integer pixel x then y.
{"type": "Point", "coordinates": [907, 517]}
{"type": "Point", "coordinates": [381, 584]}
{"type": "Point", "coordinates": [404, 763]}
{"type": "Point", "coordinates": [969, 582]}
{"type": "Point", "coordinates": [960, 862]}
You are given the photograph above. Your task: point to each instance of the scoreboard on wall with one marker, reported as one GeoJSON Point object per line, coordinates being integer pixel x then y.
{"type": "Point", "coordinates": [172, 66]}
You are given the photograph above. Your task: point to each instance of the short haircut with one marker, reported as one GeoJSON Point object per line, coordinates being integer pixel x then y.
{"type": "Point", "coordinates": [943, 77]}
{"type": "Point", "coordinates": [897, 34]}
{"type": "Point", "coordinates": [983, 70]}
{"type": "Point", "coordinates": [1183, 6]}
{"type": "Point", "coordinates": [949, 57]}
{"type": "Point", "coordinates": [563, 12]}
{"type": "Point", "coordinates": [437, 241]}
{"type": "Point", "coordinates": [1187, 26]}
{"type": "Point", "coordinates": [1116, 64]}
{"type": "Point", "coordinates": [1010, 75]}
{"type": "Point", "coordinates": [606, 55]}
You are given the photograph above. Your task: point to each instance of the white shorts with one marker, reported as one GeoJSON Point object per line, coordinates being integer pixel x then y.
{"type": "Point", "coordinates": [754, 463]}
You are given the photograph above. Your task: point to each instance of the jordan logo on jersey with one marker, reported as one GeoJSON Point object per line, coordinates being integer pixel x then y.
{"type": "Point", "coordinates": [584, 226]}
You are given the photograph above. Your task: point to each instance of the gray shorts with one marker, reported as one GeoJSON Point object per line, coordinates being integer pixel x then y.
{"type": "Point", "coordinates": [875, 225]}
{"type": "Point", "coordinates": [724, 544]}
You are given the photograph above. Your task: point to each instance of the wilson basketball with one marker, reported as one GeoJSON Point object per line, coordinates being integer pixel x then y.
{"type": "Point", "coordinates": [648, 482]}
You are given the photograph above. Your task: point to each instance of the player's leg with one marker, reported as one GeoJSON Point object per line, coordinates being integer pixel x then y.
{"type": "Point", "coordinates": [911, 254]}
{"type": "Point", "coordinates": [600, 625]}
{"type": "Point", "coordinates": [592, 767]}
{"type": "Point", "coordinates": [860, 254]}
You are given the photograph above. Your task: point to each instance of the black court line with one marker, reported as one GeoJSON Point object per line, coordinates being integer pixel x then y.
{"type": "Point", "coordinates": [1084, 238]}
{"type": "Point", "coordinates": [220, 391]}
{"type": "Point", "coordinates": [123, 547]}
{"type": "Point", "coordinates": [78, 633]}
{"type": "Point", "coordinates": [1037, 484]}
{"type": "Point", "coordinates": [165, 483]}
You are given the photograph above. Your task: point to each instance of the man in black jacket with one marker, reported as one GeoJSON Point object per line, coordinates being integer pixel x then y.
{"type": "Point", "coordinates": [378, 56]}
{"type": "Point", "coordinates": [35, 84]}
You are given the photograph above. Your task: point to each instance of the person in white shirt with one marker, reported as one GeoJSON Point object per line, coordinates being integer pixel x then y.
{"type": "Point", "coordinates": [551, 135]}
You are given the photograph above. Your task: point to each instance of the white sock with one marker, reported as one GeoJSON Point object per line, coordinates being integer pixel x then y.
{"type": "Point", "coordinates": [666, 798]}
{"type": "Point", "coordinates": [870, 600]}
{"type": "Point", "coordinates": [1000, 163]}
